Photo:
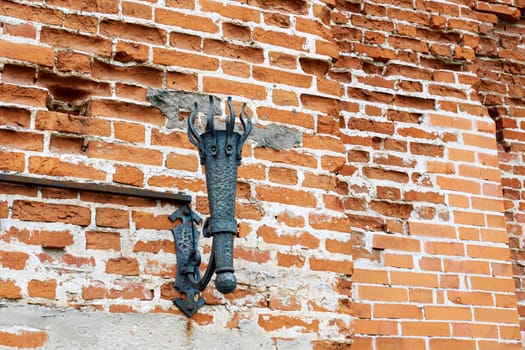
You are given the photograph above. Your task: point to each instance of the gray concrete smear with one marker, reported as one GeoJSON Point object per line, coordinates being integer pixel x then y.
{"type": "Point", "coordinates": [277, 137]}
{"type": "Point", "coordinates": [73, 329]}
{"type": "Point", "coordinates": [171, 101]}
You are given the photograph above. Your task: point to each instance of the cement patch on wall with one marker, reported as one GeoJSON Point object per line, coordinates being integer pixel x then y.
{"type": "Point", "coordinates": [170, 102]}
{"type": "Point", "coordinates": [73, 329]}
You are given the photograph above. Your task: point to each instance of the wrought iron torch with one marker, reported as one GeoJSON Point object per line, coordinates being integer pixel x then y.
{"type": "Point", "coordinates": [220, 153]}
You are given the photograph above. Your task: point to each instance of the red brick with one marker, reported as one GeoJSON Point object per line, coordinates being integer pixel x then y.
{"type": "Point", "coordinates": [253, 255]}
{"type": "Point", "coordinates": [104, 6]}
{"type": "Point", "coordinates": [470, 298]}
{"type": "Point", "coordinates": [446, 344]}
{"type": "Point", "coordinates": [242, 13]}
{"type": "Point", "coordinates": [179, 19]}
{"type": "Point", "coordinates": [290, 260]}
{"type": "Point", "coordinates": [43, 55]}
{"type": "Point", "coordinates": [145, 220]}
{"type": "Point", "coordinates": [13, 260]}
{"type": "Point", "coordinates": [182, 81]}
{"type": "Point", "coordinates": [445, 248]}
{"type": "Point", "coordinates": [420, 279]}
{"type": "Point", "coordinates": [283, 176]}
{"type": "Point", "coordinates": [49, 212]}
{"type": "Point", "coordinates": [23, 339]}
{"type": "Point", "coordinates": [383, 293]}
{"type": "Point", "coordinates": [180, 184]}
{"type": "Point", "coordinates": [376, 327]}
{"type": "Point", "coordinates": [133, 133]}
{"type": "Point", "coordinates": [236, 68]}
{"type": "Point", "coordinates": [338, 266]}
{"type": "Point", "coordinates": [281, 77]}
{"type": "Point", "coordinates": [131, 290]}
{"type": "Point", "coordinates": [182, 162]}
{"type": "Point", "coordinates": [288, 117]}
{"type": "Point", "coordinates": [435, 329]}
{"type": "Point", "coordinates": [31, 13]}
{"type": "Point", "coordinates": [285, 196]}
{"type": "Point", "coordinates": [42, 289]}
{"type": "Point", "coordinates": [73, 61]}
{"type": "Point", "coordinates": [74, 41]}
{"type": "Point", "coordinates": [62, 122]}
{"type": "Point", "coordinates": [131, 51]}
{"type": "Point", "coordinates": [11, 161]}
{"type": "Point", "coordinates": [55, 167]}
{"type": "Point", "coordinates": [396, 243]}
{"type": "Point", "coordinates": [484, 252]}
{"type": "Point", "coordinates": [276, 322]}
{"type": "Point", "coordinates": [447, 313]}
{"type": "Point", "coordinates": [283, 60]}
{"type": "Point", "coordinates": [236, 31]}
{"type": "Point", "coordinates": [185, 41]}
{"type": "Point", "coordinates": [138, 75]}
{"type": "Point", "coordinates": [184, 59]}
{"type": "Point", "coordinates": [9, 290]}
{"type": "Point", "coordinates": [111, 151]}
{"type": "Point", "coordinates": [22, 95]}
{"type": "Point", "coordinates": [187, 4]}
{"type": "Point", "coordinates": [102, 240]}
{"type": "Point", "coordinates": [44, 238]}
{"type": "Point", "coordinates": [81, 23]}
{"type": "Point", "coordinates": [397, 311]}
{"type": "Point", "coordinates": [279, 39]}
{"type": "Point", "coordinates": [136, 10]}
{"type": "Point", "coordinates": [123, 266]}
{"type": "Point", "coordinates": [125, 111]}
{"type": "Point", "coordinates": [109, 217]}
{"type": "Point", "coordinates": [229, 50]}
{"type": "Point", "coordinates": [398, 260]}
{"type": "Point", "coordinates": [219, 85]}
{"type": "Point", "coordinates": [165, 245]}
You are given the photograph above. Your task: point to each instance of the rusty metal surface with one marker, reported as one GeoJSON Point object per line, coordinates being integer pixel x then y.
{"type": "Point", "coordinates": [94, 187]}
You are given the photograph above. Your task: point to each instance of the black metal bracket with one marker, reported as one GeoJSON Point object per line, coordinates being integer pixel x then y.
{"type": "Point", "coordinates": [220, 153]}
{"type": "Point", "coordinates": [186, 241]}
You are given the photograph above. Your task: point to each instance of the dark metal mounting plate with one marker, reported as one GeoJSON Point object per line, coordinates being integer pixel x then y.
{"type": "Point", "coordinates": [186, 240]}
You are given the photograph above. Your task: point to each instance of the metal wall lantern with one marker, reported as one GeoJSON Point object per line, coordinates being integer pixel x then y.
{"type": "Point", "coordinates": [220, 153]}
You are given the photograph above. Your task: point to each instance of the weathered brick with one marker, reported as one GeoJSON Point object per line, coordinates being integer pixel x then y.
{"type": "Point", "coordinates": [219, 85]}
{"type": "Point", "coordinates": [74, 41]}
{"type": "Point", "coordinates": [279, 39]}
{"type": "Point", "coordinates": [49, 212]}
{"type": "Point", "coordinates": [123, 266]}
{"type": "Point", "coordinates": [109, 217]}
{"type": "Point", "coordinates": [13, 260]}
{"type": "Point", "coordinates": [55, 167]}
{"type": "Point", "coordinates": [285, 196]}
{"type": "Point", "coordinates": [183, 20]}
{"type": "Point", "coordinates": [23, 339]}
{"type": "Point", "coordinates": [141, 75]}
{"type": "Point", "coordinates": [42, 289]}
{"type": "Point", "coordinates": [38, 54]}
{"type": "Point", "coordinates": [184, 59]}
{"type": "Point", "coordinates": [22, 95]}
{"type": "Point", "coordinates": [281, 77]}
{"type": "Point", "coordinates": [238, 52]}
{"type": "Point", "coordinates": [102, 240]}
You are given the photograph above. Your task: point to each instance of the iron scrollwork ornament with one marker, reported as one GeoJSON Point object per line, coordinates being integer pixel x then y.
{"type": "Point", "coordinates": [220, 152]}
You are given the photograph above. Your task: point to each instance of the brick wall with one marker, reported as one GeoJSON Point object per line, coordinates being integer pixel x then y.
{"type": "Point", "coordinates": [376, 197]}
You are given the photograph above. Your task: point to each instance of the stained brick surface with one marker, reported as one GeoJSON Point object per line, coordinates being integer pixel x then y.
{"type": "Point", "coordinates": [396, 221]}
